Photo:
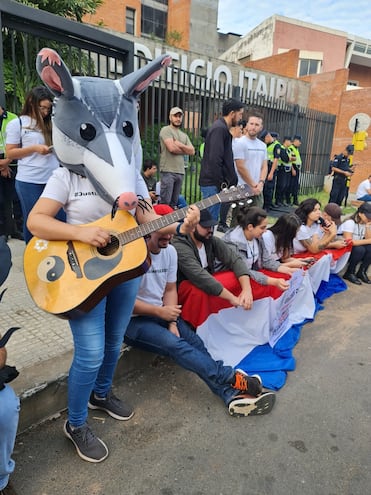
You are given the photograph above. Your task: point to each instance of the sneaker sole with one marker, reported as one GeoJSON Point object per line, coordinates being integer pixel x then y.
{"type": "Point", "coordinates": [84, 457]}
{"type": "Point", "coordinates": [112, 414]}
{"type": "Point", "coordinates": [252, 406]}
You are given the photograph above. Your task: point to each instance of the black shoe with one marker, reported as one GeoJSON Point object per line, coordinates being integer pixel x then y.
{"type": "Point", "coordinates": [112, 405]}
{"type": "Point", "coordinates": [17, 235]}
{"type": "Point", "coordinates": [352, 278]}
{"type": "Point", "coordinates": [88, 446]}
{"type": "Point", "coordinates": [251, 385]}
{"type": "Point", "coordinates": [273, 207]}
{"type": "Point", "coordinates": [362, 275]}
{"type": "Point", "coordinates": [222, 228]}
{"type": "Point", "coordinates": [8, 490]}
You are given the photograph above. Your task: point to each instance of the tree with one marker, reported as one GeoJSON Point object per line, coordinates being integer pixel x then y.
{"type": "Point", "coordinates": [71, 9]}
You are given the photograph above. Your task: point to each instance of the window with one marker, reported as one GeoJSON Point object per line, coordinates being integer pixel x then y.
{"type": "Point", "coordinates": [309, 66]}
{"type": "Point", "coordinates": [154, 22]}
{"type": "Point", "coordinates": [130, 20]}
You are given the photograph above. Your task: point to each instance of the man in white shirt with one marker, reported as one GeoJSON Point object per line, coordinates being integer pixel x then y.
{"type": "Point", "coordinates": [250, 156]}
{"type": "Point", "coordinates": [364, 190]}
{"type": "Point", "coordinates": [156, 326]}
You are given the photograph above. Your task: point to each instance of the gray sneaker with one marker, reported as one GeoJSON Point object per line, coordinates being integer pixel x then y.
{"type": "Point", "coordinates": [112, 405]}
{"type": "Point", "coordinates": [88, 446]}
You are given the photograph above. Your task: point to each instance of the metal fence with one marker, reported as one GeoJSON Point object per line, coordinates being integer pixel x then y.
{"type": "Point", "coordinates": [91, 51]}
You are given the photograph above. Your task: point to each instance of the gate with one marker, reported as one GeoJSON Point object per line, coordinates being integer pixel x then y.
{"type": "Point", "coordinates": [92, 51]}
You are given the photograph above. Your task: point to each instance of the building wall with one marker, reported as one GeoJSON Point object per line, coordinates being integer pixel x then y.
{"type": "Point", "coordinates": [179, 19]}
{"type": "Point", "coordinates": [285, 64]}
{"type": "Point", "coordinates": [360, 74]}
{"type": "Point", "coordinates": [288, 35]}
{"type": "Point", "coordinates": [328, 93]}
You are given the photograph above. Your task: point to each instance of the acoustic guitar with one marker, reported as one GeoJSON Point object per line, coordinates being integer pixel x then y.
{"type": "Point", "coordinates": [68, 278]}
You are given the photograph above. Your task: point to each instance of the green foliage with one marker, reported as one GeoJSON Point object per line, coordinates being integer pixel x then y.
{"type": "Point", "coordinates": [173, 38]}
{"type": "Point", "coordinates": [71, 9]}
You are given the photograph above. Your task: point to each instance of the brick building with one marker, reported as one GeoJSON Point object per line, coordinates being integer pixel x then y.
{"type": "Point", "coordinates": [335, 65]}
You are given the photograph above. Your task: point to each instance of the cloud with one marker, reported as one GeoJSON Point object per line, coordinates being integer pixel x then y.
{"type": "Point", "coordinates": [339, 14]}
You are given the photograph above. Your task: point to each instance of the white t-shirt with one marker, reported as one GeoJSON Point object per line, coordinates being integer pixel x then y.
{"type": "Point", "coordinates": [305, 233]}
{"type": "Point", "coordinates": [78, 196]}
{"type": "Point", "coordinates": [34, 168]}
{"type": "Point", "coordinates": [253, 152]}
{"type": "Point", "coordinates": [362, 188]}
{"type": "Point", "coordinates": [162, 271]}
{"type": "Point", "coordinates": [356, 229]}
{"type": "Point", "coordinates": [270, 245]}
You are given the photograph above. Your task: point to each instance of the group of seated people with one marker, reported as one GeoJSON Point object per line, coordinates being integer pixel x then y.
{"type": "Point", "coordinates": [188, 272]}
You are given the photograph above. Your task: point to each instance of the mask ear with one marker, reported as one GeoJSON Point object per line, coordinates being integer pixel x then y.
{"type": "Point", "coordinates": [54, 73]}
{"type": "Point", "coordinates": [135, 83]}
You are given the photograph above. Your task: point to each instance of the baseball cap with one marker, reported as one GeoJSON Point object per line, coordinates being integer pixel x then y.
{"type": "Point", "coordinates": [365, 208]}
{"type": "Point", "coordinates": [206, 220]}
{"type": "Point", "coordinates": [297, 136]}
{"type": "Point", "coordinates": [162, 209]}
{"type": "Point", "coordinates": [175, 110]}
{"type": "Point", "coordinates": [334, 211]}
{"type": "Point", "coordinates": [263, 134]}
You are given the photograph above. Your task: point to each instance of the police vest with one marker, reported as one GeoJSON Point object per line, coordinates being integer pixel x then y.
{"type": "Point", "coordinates": [295, 151]}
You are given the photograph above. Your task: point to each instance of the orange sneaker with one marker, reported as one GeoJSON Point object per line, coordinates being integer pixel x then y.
{"type": "Point", "coordinates": [245, 383]}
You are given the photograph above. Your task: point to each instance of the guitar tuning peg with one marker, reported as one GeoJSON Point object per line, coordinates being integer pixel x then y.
{"type": "Point", "coordinates": [233, 205]}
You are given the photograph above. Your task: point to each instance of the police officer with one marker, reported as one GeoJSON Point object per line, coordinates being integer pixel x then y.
{"type": "Point", "coordinates": [341, 170]}
{"type": "Point", "coordinates": [284, 173]}
{"type": "Point", "coordinates": [10, 208]}
{"type": "Point", "coordinates": [274, 152]}
{"type": "Point", "coordinates": [295, 170]}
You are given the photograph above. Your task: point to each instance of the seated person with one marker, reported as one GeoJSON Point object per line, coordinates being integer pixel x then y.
{"type": "Point", "coordinates": [314, 234]}
{"type": "Point", "coordinates": [156, 326]}
{"type": "Point", "coordinates": [9, 402]}
{"type": "Point", "coordinates": [357, 230]}
{"type": "Point", "coordinates": [364, 190]}
{"type": "Point", "coordinates": [198, 254]}
{"type": "Point", "coordinates": [247, 237]}
{"type": "Point", "coordinates": [278, 241]}
{"type": "Point", "coordinates": [149, 174]}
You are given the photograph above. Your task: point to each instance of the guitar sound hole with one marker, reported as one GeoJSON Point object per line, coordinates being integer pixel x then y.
{"type": "Point", "coordinates": [111, 247]}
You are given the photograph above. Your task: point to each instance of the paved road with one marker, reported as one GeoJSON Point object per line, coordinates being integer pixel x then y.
{"type": "Point", "coordinates": [181, 440]}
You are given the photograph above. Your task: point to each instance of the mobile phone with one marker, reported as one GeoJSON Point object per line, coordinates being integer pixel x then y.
{"type": "Point", "coordinates": [322, 222]}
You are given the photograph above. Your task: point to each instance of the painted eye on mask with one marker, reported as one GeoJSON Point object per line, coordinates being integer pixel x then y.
{"type": "Point", "coordinates": [87, 132]}
{"type": "Point", "coordinates": [128, 129]}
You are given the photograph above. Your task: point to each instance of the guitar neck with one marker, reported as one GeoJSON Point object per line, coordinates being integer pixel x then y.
{"type": "Point", "coordinates": [149, 227]}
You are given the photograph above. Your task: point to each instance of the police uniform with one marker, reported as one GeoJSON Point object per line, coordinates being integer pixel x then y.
{"type": "Point", "coordinates": [283, 176]}
{"type": "Point", "coordinates": [339, 183]}
{"type": "Point", "coordinates": [296, 165]}
{"type": "Point", "coordinates": [274, 152]}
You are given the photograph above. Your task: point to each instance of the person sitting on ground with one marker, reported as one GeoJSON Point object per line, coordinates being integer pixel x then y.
{"type": "Point", "coordinates": [156, 326]}
{"type": "Point", "coordinates": [247, 238]}
{"type": "Point", "coordinates": [198, 253]}
{"type": "Point", "coordinates": [315, 234]}
{"type": "Point", "coordinates": [357, 229]}
{"type": "Point", "coordinates": [149, 175]}
{"type": "Point", "coordinates": [364, 190]}
{"type": "Point", "coordinates": [278, 241]}
{"type": "Point", "coordinates": [9, 402]}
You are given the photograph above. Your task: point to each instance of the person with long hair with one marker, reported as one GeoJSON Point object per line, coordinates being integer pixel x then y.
{"type": "Point", "coordinates": [358, 229]}
{"type": "Point", "coordinates": [278, 241]}
{"type": "Point", "coordinates": [252, 222]}
{"type": "Point", "coordinates": [29, 140]}
{"type": "Point", "coordinates": [314, 234]}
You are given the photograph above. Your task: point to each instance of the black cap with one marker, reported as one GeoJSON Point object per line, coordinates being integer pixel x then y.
{"type": "Point", "coordinates": [263, 134]}
{"type": "Point", "coordinates": [297, 136]}
{"type": "Point", "coordinates": [274, 134]}
{"type": "Point", "coordinates": [206, 220]}
{"type": "Point", "coordinates": [350, 149]}
{"type": "Point", "coordinates": [287, 138]}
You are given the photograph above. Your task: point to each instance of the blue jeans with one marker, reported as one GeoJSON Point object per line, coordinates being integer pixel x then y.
{"type": "Point", "coordinates": [152, 334]}
{"type": "Point", "coordinates": [208, 191]}
{"type": "Point", "coordinates": [28, 194]}
{"type": "Point", "coordinates": [366, 197]}
{"type": "Point", "coordinates": [98, 336]}
{"type": "Point", "coordinates": [9, 414]}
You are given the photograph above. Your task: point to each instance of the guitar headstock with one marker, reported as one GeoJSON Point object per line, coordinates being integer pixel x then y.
{"type": "Point", "coordinates": [234, 193]}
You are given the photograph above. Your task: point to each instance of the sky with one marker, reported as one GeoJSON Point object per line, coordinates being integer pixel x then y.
{"type": "Point", "coordinates": [241, 16]}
